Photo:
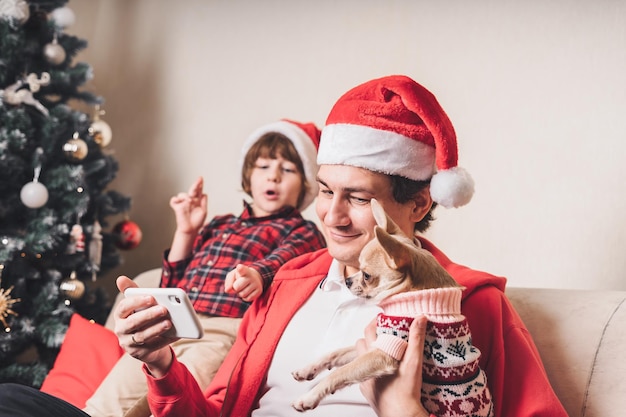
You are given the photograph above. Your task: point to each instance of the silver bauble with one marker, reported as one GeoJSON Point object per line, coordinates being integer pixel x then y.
{"type": "Point", "coordinates": [54, 53]}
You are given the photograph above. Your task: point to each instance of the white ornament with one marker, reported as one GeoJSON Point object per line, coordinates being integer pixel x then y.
{"type": "Point", "coordinates": [17, 9]}
{"type": "Point", "coordinates": [34, 194]}
{"type": "Point", "coordinates": [16, 95]}
{"type": "Point", "coordinates": [63, 17]}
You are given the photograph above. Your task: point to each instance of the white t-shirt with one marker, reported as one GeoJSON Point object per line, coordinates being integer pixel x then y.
{"type": "Point", "coordinates": [332, 318]}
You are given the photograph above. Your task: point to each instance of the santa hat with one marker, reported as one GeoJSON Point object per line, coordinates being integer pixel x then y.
{"type": "Point", "coordinates": [305, 138]}
{"type": "Point", "coordinates": [395, 126]}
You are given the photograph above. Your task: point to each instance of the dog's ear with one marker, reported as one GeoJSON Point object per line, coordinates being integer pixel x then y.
{"type": "Point", "coordinates": [382, 219]}
{"type": "Point", "coordinates": [379, 213]}
{"type": "Point", "coordinates": [397, 254]}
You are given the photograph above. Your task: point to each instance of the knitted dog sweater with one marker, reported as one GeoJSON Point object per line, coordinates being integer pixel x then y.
{"type": "Point", "coordinates": [453, 384]}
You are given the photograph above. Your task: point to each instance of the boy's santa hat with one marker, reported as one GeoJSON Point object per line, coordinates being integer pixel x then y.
{"type": "Point", "coordinates": [305, 138]}
{"type": "Point", "coordinates": [395, 126]}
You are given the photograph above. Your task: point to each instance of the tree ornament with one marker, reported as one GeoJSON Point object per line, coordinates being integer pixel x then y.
{"type": "Point", "coordinates": [53, 52]}
{"type": "Point", "coordinates": [33, 241]}
{"type": "Point", "coordinates": [63, 17]}
{"type": "Point", "coordinates": [16, 94]}
{"type": "Point", "coordinates": [75, 149]}
{"type": "Point", "coordinates": [34, 194]}
{"type": "Point", "coordinates": [95, 248]}
{"type": "Point", "coordinates": [100, 130]}
{"type": "Point", "coordinates": [16, 9]}
{"type": "Point", "coordinates": [77, 240]}
{"type": "Point", "coordinates": [6, 302]}
{"type": "Point", "coordinates": [127, 235]}
{"type": "Point", "coordinates": [72, 288]}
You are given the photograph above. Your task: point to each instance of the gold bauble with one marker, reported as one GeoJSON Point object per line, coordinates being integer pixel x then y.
{"type": "Point", "coordinates": [101, 132]}
{"type": "Point", "coordinates": [75, 149]}
{"type": "Point", "coordinates": [72, 288]}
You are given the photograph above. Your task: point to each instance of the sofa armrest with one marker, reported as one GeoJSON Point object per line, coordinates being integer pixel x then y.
{"type": "Point", "coordinates": [580, 337]}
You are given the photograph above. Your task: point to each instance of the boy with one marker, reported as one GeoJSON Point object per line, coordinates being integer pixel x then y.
{"type": "Point", "coordinates": [229, 262]}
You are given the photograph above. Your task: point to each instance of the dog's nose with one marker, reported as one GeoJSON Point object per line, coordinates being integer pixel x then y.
{"type": "Point", "coordinates": [349, 280]}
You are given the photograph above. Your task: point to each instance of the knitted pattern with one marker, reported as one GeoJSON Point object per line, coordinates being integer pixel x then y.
{"type": "Point", "coordinates": [453, 384]}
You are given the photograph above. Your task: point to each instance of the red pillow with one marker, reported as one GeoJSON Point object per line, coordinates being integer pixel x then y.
{"type": "Point", "coordinates": [87, 354]}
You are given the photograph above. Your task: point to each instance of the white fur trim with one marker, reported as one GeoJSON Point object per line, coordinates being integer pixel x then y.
{"type": "Point", "coordinates": [452, 187]}
{"type": "Point", "coordinates": [377, 150]}
{"type": "Point", "coordinates": [304, 146]}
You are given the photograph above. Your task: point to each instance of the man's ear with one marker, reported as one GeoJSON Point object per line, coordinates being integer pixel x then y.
{"type": "Point", "coordinates": [422, 204]}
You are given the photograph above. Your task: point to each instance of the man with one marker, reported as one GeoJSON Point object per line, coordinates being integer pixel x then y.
{"type": "Point", "coordinates": [377, 136]}
{"type": "Point", "coordinates": [387, 139]}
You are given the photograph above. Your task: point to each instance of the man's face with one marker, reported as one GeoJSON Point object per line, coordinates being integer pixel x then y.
{"type": "Point", "coordinates": [343, 206]}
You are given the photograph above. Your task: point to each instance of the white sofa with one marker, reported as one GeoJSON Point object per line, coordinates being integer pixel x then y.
{"type": "Point", "coordinates": [581, 336]}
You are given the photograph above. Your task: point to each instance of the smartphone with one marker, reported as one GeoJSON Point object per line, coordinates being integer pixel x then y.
{"type": "Point", "coordinates": [184, 319]}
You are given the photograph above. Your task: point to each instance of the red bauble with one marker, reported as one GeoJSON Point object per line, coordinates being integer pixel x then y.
{"type": "Point", "coordinates": [127, 235]}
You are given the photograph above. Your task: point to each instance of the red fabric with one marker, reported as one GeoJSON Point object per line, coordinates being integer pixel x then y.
{"type": "Point", "coordinates": [515, 374]}
{"type": "Point", "coordinates": [398, 104]}
{"type": "Point", "coordinates": [310, 129]}
{"type": "Point", "coordinates": [87, 354]}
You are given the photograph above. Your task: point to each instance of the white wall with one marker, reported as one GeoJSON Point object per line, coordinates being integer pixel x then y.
{"type": "Point", "coordinates": [535, 89]}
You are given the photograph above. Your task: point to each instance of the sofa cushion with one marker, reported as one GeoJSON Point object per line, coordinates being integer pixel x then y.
{"type": "Point", "coordinates": [88, 352]}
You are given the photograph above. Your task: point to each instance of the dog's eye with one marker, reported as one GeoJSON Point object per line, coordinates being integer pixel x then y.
{"type": "Point", "coordinates": [366, 276]}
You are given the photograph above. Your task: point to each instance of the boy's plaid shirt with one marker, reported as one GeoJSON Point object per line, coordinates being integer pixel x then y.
{"type": "Point", "coordinates": [263, 243]}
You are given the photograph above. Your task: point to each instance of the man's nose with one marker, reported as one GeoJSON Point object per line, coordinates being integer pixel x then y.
{"type": "Point", "coordinates": [336, 215]}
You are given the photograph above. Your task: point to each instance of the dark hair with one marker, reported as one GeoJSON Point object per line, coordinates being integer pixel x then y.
{"type": "Point", "coordinates": [272, 145]}
{"type": "Point", "coordinates": [404, 189]}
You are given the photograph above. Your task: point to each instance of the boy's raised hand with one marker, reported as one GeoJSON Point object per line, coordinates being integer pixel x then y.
{"type": "Point", "coordinates": [190, 208]}
{"type": "Point", "coordinates": [246, 282]}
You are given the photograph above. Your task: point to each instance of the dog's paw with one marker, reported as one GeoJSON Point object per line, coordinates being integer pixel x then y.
{"type": "Point", "coordinates": [304, 403]}
{"type": "Point", "coordinates": [305, 374]}
{"type": "Point", "coordinates": [297, 376]}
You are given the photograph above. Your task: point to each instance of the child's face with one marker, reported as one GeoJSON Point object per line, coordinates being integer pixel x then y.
{"type": "Point", "coordinates": [274, 184]}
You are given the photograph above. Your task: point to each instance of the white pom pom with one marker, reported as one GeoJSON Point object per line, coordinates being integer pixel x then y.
{"type": "Point", "coordinates": [452, 187]}
{"type": "Point", "coordinates": [63, 17]}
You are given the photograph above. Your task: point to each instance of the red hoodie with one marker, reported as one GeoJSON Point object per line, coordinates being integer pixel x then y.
{"type": "Point", "coordinates": [517, 380]}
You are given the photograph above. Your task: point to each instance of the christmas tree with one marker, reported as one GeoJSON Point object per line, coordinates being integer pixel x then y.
{"type": "Point", "coordinates": [55, 165]}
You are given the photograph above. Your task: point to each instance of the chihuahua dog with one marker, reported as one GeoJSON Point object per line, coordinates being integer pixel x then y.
{"type": "Point", "coordinates": [393, 267]}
